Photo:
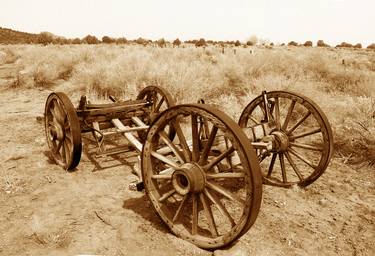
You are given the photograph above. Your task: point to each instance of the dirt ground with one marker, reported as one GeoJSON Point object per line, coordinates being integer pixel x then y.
{"type": "Point", "coordinates": [47, 211]}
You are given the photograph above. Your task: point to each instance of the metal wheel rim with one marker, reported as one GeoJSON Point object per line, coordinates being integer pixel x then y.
{"type": "Point", "coordinates": [321, 120]}
{"type": "Point", "coordinates": [251, 179]}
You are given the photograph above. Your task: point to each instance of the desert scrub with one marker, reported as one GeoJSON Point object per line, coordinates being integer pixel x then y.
{"type": "Point", "coordinates": [340, 81]}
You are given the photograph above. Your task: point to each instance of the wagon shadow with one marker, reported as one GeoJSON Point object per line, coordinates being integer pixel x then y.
{"type": "Point", "coordinates": [143, 208]}
{"type": "Point", "coordinates": [110, 161]}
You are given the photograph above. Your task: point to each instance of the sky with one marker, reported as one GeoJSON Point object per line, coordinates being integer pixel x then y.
{"type": "Point", "coordinates": [333, 21]}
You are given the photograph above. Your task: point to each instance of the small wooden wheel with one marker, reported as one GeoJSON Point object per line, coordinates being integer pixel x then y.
{"type": "Point", "coordinates": [303, 136]}
{"type": "Point", "coordinates": [62, 130]}
{"type": "Point", "coordinates": [160, 100]}
{"type": "Point", "coordinates": [205, 183]}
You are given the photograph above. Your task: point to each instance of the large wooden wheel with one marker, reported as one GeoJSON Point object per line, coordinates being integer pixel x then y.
{"type": "Point", "coordinates": [304, 141]}
{"type": "Point", "coordinates": [160, 100]}
{"type": "Point", "coordinates": [205, 183]}
{"type": "Point", "coordinates": [62, 131]}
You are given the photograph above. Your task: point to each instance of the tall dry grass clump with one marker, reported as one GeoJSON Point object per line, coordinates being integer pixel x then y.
{"type": "Point", "coordinates": [341, 81]}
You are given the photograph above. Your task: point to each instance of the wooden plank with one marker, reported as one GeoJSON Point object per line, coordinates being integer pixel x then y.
{"type": "Point", "coordinates": [130, 137]}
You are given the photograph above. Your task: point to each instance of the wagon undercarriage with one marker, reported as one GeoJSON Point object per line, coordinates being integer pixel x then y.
{"type": "Point", "coordinates": [202, 171]}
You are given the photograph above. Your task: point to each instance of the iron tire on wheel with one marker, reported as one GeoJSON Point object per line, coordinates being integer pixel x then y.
{"type": "Point", "coordinates": [308, 150]}
{"type": "Point", "coordinates": [207, 190]}
{"type": "Point", "coordinates": [62, 130]}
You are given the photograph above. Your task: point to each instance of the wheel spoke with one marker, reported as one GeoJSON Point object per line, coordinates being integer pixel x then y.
{"type": "Point", "coordinates": [225, 175]}
{"type": "Point", "coordinates": [294, 166]}
{"type": "Point", "coordinates": [195, 137]}
{"type": "Point", "coordinates": [299, 122]}
{"type": "Point", "coordinates": [161, 177]}
{"type": "Point", "coordinates": [156, 109]}
{"type": "Point", "coordinates": [306, 146]}
{"type": "Point", "coordinates": [277, 113]}
{"type": "Point", "coordinates": [67, 152]}
{"type": "Point", "coordinates": [177, 214]}
{"type": "Point", "coordinates": [63, 156]}
{"type": "Point", "coordinates": [219, 206]}
{"type": "Point", "coordinates": [282, 165]}
{"type": "Point", "coordinates": [287, 118]}
{"type": "Point", "coordinates": [172, 146]}
{"type": "Point", "coordinates": [194, 220]}
{"type": "Point", "coordinates": [209, 216]}
{"type": "Point", "coordinates": [58, 147]}
{"type": "Point", "coordinates": [270, 169]}
{"type": "Point", "coordinates": [167, 195]}
{"type": "Point", "coordinates": [219, 158]}
{"type": "Point", "coordinates": [216, 187]}
{"type": "Point", "coordinates": [309, 163]}
{"type": "Point", "coordinates": [166, 160]}
{"type": "Point", "coordinates": [304, 134]}
{"type": "Point", "coordinates": [182, 139]}
{"type": "Point", "coordinates": [254, 120]}
{"type": "Point", "coordinates": [208, 145]}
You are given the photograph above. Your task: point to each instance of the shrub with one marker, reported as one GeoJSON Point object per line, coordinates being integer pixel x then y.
{"type": "Point", "coordinates": [121, 40]}
{"type": "Point", "coordinates": [371, 46]}
{"type": "Point", "coordinates": [358, 46]}
{"type": "Point", "coordinates": [321, 43]}
{"type": "Point", "coordinates": [292, 43]}
{"type": "Point", "coordinates": [249, 43]}
{"type": "Point", "coordinates": [76, 41]}
{"type": "Point", "coordinates": [345, 45]}
{"type": "Point", "coordinates": [176, 42]}
{"type": "Point", "coordinates": [308, 44]}
{"type": "Point", "coordinates": [161, 43]}
{"type": "Point", "coordinates": [201, 43]}
{"type": "Point", "coordinates": [237, 43]}
{"type": "Point", "coordinates": [45, 38]}
{"type": "Point", "coordinates": [89, 39]}
{"type": "Point", "coordinates": [108, 40]}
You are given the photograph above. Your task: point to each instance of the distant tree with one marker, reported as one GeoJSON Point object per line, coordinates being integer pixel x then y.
{"type": "Point", "coordinates": [45, 38]}
{"type": "Point", "coordinates": [176, 42]}
{"type": "Point", "coordinates": [308, 44]}
{"type": "Point", "coordinates": [201, 43]}
{"type": "Point", "coordinates": [292, 43]}
{"type": "Point", "coordinates": [108, 40]}
{"type": "Point", "coordinates": [283, 44]}
{"type": "Point", "coordinates": [358, 46]}
{"type": "Point", "coordinates": [89, 39]}
{"type": "Point", "coordinates": [371, 47]}
{"type": "Point", "coordinates": [121, 40]}
{"type": "Point", "coordinates": [76, 41]}
{"type": "Point", "coordinates": [161, 43]}
{"type": "Point", "coordinates": [321, 43]}
{"type": "Point", "coordinates": [237, 43]}
{"type": "Point", "coordinates": [272, 44]}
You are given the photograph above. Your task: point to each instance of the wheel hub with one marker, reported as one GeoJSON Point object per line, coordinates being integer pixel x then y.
{"type": "Point", "coordinates": [281, 141]}
{"type": "Point", "coordinates": [190, 179]}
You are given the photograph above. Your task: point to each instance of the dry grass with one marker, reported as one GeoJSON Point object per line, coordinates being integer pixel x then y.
{"type": "Point", "coordinates": [341, 81]}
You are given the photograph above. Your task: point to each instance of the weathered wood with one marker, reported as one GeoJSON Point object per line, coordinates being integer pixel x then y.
{"type": "Point", "coordinates": [130, 137]}
{"type": "Point", "coordinates": [128, 103]}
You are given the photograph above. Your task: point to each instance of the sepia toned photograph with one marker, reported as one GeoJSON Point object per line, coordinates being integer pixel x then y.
{"type": "Point", "coordinates": [223, 128]}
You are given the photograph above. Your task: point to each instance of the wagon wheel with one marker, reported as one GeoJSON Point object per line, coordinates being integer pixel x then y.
{"type": "Point", "coordinates": [62, 131]}
{"type": "Point", "coordinates": [160, 100]}
{"type": "Point", "coordinates": [200, 202]}
{"type": "Point", "coordinates": [303, 134]}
